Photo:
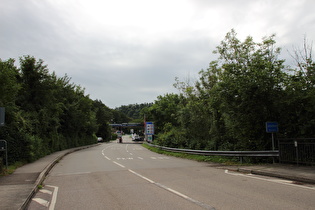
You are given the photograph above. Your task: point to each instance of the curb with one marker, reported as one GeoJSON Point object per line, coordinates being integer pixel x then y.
{"type": "Point", "coordinates": [276, 175]}
{"type": "Point", "coordinates": [46, 170]}
{"type": "Point", "coordinates": [284, 176]}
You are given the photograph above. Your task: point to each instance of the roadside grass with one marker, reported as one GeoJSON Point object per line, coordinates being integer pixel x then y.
{"type": "Point", "coordinates": [11, 168]}
{"type": "Point", "coordinates": [199, 158]}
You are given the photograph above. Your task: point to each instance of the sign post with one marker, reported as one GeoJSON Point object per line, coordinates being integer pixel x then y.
{"type": "Point", "coordinates": [272, 127]}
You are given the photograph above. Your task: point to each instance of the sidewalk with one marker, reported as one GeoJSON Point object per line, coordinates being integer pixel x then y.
{"type": "Point", "coordinates": [303, 174]}
{"type": "Point", "coordinates": [17, 189]}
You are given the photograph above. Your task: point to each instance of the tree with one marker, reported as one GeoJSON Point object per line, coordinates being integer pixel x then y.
{"type": "Point", "coordinates": [133, 111]}
{"type": "Point", "coordinates": [299, 102]}
{"type": "Point", "coordinates": [103, 116]}
{"type": "Point", "coordinates": [251, 83]}
{"type": "Point", "coordinates": [235, 96]}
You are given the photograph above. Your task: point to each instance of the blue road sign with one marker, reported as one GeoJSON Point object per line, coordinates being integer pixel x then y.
{"type": "Point", "coordinates": [272, 127]}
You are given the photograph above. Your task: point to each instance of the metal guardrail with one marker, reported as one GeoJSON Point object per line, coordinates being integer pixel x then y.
{"type": "Point", "coordinates": [268, 153]}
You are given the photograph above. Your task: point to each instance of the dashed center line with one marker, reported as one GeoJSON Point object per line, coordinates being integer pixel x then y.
{"type": "Point", "coordinates": [155, 183]}
{"type": "Point", "coordinates": [173, 191]}
{"type": "Point", "coordinates": [119, 164]}
{"type": "Point", "coordinates": [107, 157]}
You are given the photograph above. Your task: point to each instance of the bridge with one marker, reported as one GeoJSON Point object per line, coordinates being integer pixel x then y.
{"type": "Point", "coordinates": [127, 125]}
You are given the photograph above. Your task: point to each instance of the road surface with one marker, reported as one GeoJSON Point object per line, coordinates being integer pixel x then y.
{"type": "Point", "coordinates": [128, 176]}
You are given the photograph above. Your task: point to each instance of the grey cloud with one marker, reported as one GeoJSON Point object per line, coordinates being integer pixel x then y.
{"type": "Point", "coordinates": [122, 63]}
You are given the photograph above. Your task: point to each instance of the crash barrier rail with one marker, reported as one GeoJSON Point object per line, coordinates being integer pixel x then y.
{"type": "Point", "coordinates": [240, 154]}
{"type": "Point", "coordinates": [297, 150]}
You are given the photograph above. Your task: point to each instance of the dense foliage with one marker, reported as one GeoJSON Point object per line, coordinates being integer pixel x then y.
{"type": "Point", "coordinates": [227, 108]}
{"type": "Point", "coordinates": [45, 113]}
{"type": "Point", "coordinates": [133, 111]}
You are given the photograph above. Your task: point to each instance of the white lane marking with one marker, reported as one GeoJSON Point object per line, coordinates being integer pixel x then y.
{"type": "Point", "coordinates": [45, 191]}
{"type": "Point", "coordinates": [119, 164]}
{"type": "Point", "coordinates": [140, 158]}
{"type": "Point", "coordinates": [41, 201]}
{"type": "Point", "coordinates": [54, 197]}
{"type": "Point", "coordinates": [130, 153]}
{"type": "Point", "coordinates": [154, 158]}
{"type": "Point", "coordinates": [279, 181]}
{"type": "Point", "coordinates": [173, 191]}
{"type": "Point", "coordinates": [107, 157]}
{"type": "Point", "coordinates": [103, 151]}
{"type": "Point", "coordinates": [143, 177]}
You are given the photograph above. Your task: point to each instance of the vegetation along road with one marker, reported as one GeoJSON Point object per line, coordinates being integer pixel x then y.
{"type": "Point", "coordinates": [128, 176]}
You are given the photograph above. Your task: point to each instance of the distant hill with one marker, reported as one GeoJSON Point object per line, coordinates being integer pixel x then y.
{"type": "Point", "coordinates": [133, 110]}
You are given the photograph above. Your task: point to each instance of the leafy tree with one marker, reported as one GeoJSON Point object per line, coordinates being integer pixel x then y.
{"type": "Point", "coordinates": [251, 83]}
{"type": "Point", "coordinates": [228, 106]}
{"type": "Point", "coordinates": [45, 113]}
{"type": "Point", "coordinates": [9, 87]}
{"type": "Point", "coordinates": [299, 102]}
{"type": "Point", "coordinates": [14, 127]}
{"type": "Point", "coordinates": [164, 112]}
{"type": "Point", "coordinates": [133, 111]}
{"type": "Point", "coordinates": [103, 116]}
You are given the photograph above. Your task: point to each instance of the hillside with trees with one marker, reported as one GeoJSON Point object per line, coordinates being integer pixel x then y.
{"type": "Point", "coordinates": [228, 106]}
{"type": "Point", "coordinates": [134, 111]}
{"type": "Point", "coordinates": [45, 113]}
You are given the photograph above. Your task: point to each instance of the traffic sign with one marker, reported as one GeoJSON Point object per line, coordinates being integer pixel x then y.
{"type": "Point", "coordinates": [272, 127]}
{"type": "Point", "coordinates": [149, 128]}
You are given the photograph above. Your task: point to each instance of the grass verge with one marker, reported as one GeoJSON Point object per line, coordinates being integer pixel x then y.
{"type": "Point", "coordinates": [11, 168]}
{"type": "Point", "coordinates": [200, 158]}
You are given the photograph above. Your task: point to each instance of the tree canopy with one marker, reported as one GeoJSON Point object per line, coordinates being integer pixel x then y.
{"type": "Point", "coordinates": [228, 106]}
{"type": "Point", "coordinates": [46, 113]}
{"type": "Point", "coordinates": [225, 109]}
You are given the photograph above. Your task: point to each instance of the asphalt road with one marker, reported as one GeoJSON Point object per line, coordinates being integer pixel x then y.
{"type": "Point", "coordinates": [128, 176]}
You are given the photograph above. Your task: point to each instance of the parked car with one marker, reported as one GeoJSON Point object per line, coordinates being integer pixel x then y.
{"type": "Point", "coordinates": [136, 137]}
{"type": "Point", "coordinates": [99, 139]}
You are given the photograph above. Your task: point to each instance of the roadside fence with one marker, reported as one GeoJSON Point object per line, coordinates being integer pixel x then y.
{"type": "Point", "coordinates": [297, 151]}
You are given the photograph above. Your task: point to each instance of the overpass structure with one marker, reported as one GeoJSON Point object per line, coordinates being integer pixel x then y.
{"type": "Point", "coordinates": [127, 125]}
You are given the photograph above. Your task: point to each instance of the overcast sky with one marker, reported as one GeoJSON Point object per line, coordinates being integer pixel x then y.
{"type": "Point", "coordinates": [125, 52]}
